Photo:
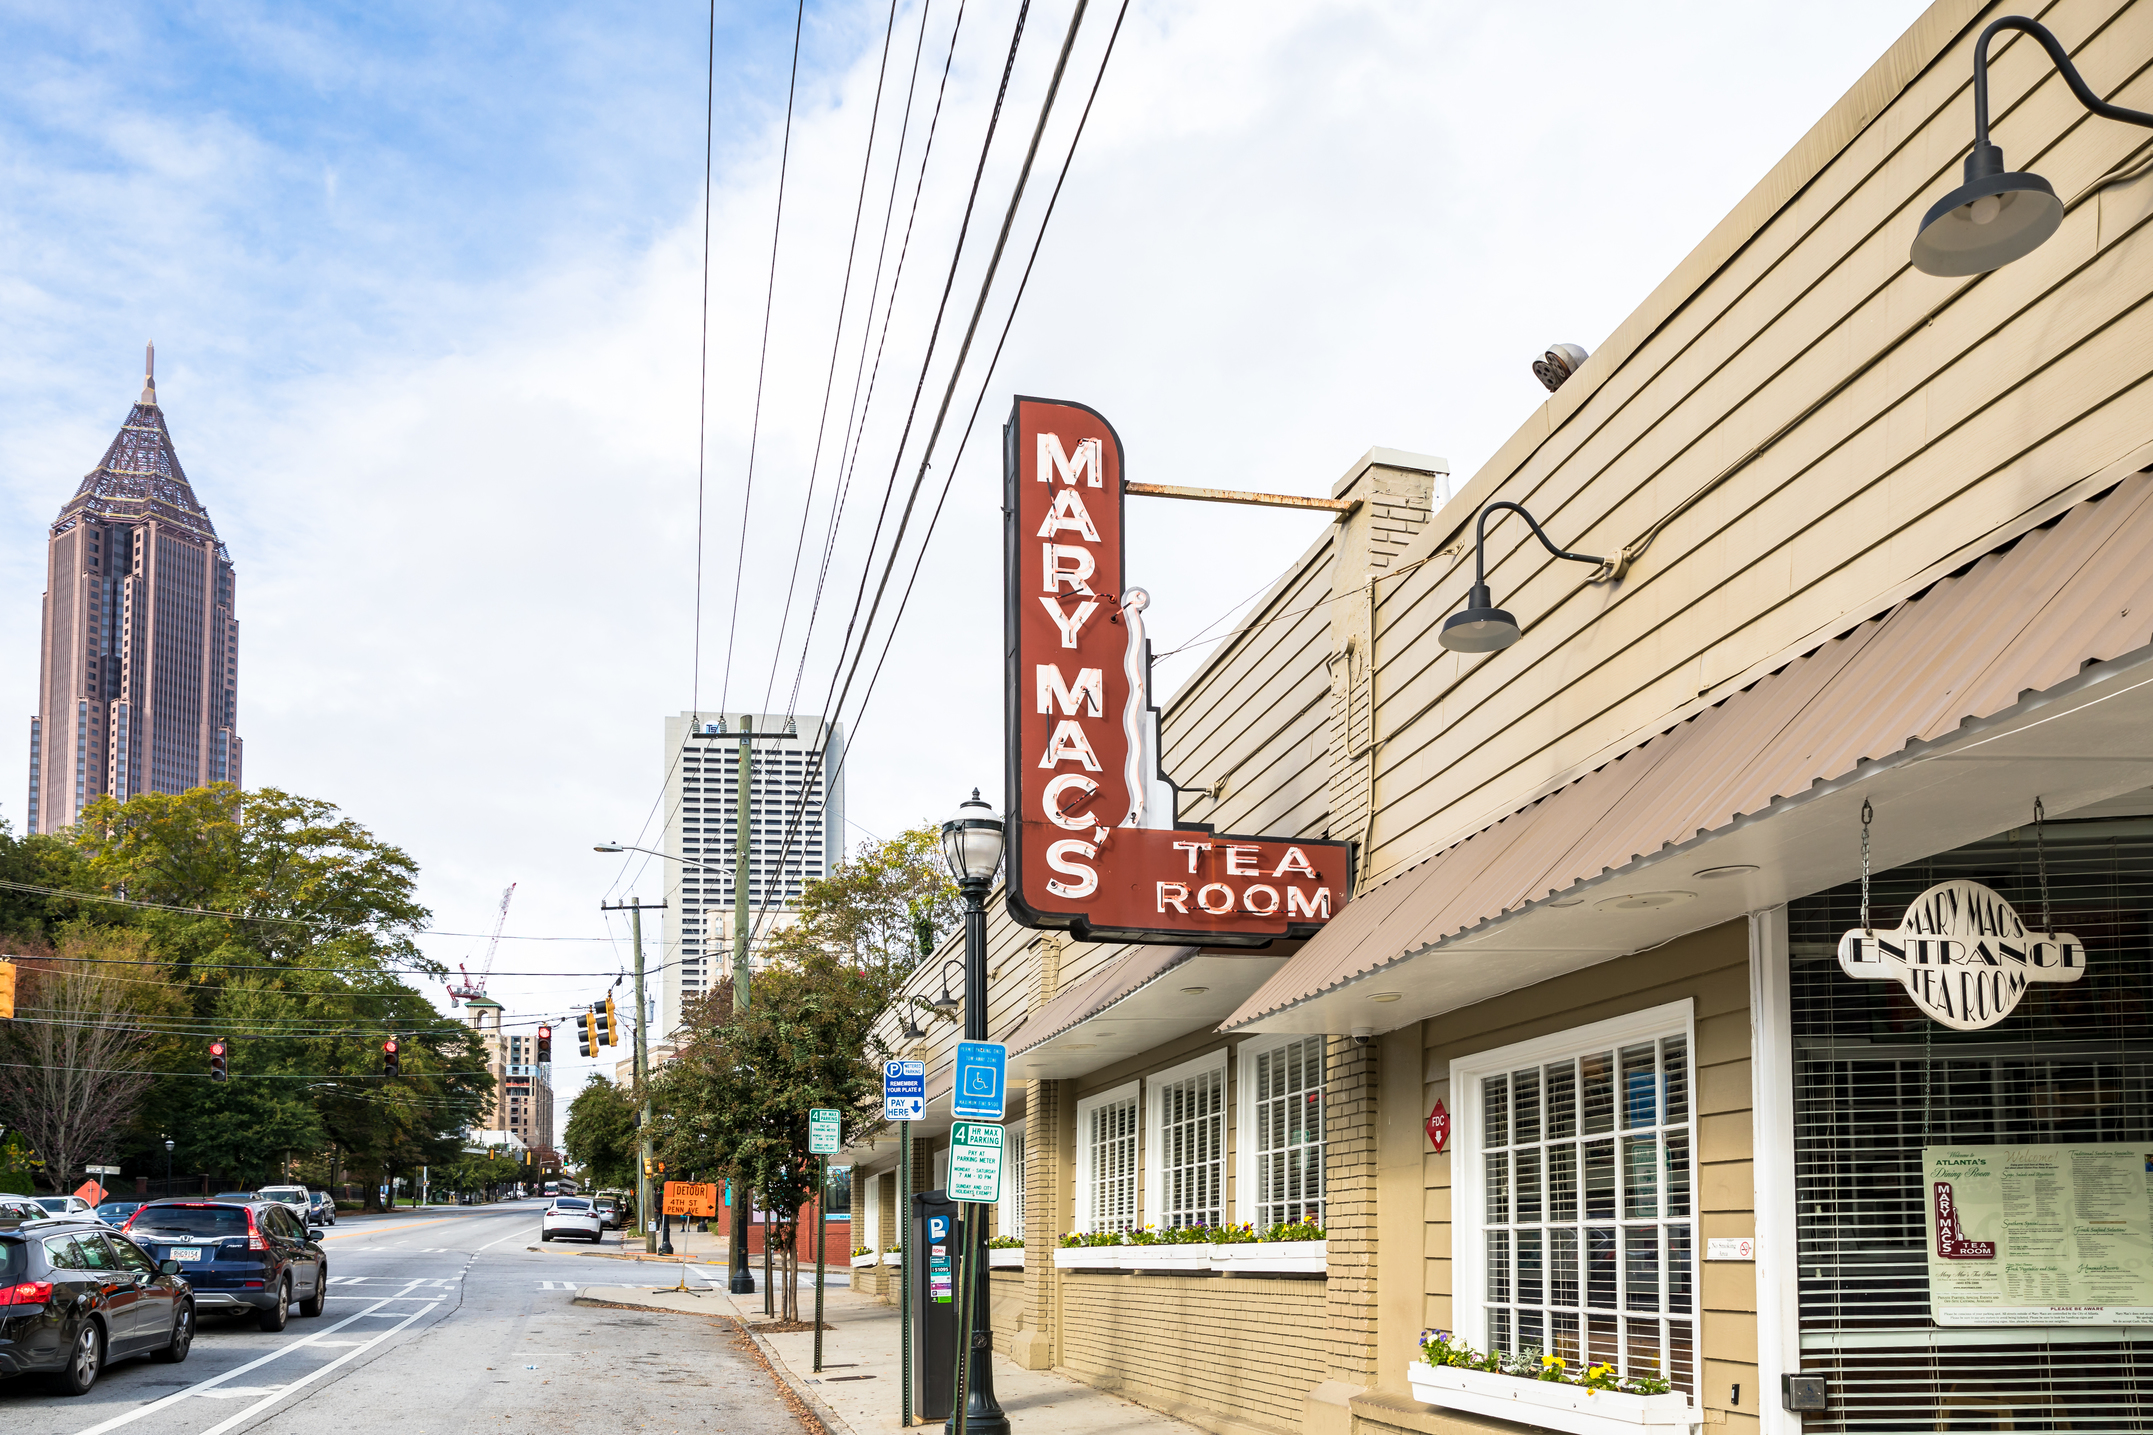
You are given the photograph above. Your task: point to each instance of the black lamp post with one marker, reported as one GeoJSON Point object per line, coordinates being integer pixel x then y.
{"type": "Point", "coordinates": [1481, 627]}
{"type": "Point", "coordinates": [972, 845]}
{"type": "Point", "coordinates": [168, 1143]}
{"type": "Point", "coordinates": [1997, 216]}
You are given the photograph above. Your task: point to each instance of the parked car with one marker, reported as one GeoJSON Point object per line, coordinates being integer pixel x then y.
{"type": "Point", "coordinates": [21, 1208]}
{"type": "Point", "coordinates": [321, 1209]}
{"type": "Point", "coordinates": [234, 1196]}
{"type": "Point", "coordinates": [79, 1297]}
{"type": "Point", "coordinates": [115, 1213]}
{"type": "Point", "coordinates": [239, 1255]}
{"type": "Point", "coordinates": [571, 1216]}
{"type": "Point", "coordinates": [65, 1205]}
{"type": "Point", "coordinates": [609, 1212]}
{"type": "Point", "coordinates": [296, 1197]}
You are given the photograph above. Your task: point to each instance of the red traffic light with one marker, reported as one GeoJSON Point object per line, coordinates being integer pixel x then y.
{"type": "Point", "coordinates": [218, 1066]}
{"type": "Point", "coordinates": [216, 1048]}
{"type": "Point", "coordinates": [389, 1045]}
{"type": "Point", "coordinates": [390, 1063]}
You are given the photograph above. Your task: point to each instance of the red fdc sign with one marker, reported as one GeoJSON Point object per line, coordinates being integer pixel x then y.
{"type": "Point", "coordinates": [1095, 847]}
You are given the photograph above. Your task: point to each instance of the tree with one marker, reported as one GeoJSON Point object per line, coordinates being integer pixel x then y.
{"type": "Point", "coordinates": [76, 1060]}
{"type": "Point", "coordinates": [601, 1133]}
{"type": "Point", "coordinates": [888, 905]}
{"type": "Point", "coordinates": [737, 1095]}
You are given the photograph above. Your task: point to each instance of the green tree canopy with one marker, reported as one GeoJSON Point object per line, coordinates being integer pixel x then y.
{"type": "Point", "coordinates": [601, 1134]}
{"type": "Point", "coordinates": [883, 908]}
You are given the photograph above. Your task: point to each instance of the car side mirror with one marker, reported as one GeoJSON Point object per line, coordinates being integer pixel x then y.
{"type": "Point", "coordinates": [315, 1233]}
{"type": "Point", "coordinates": [170, 1268]}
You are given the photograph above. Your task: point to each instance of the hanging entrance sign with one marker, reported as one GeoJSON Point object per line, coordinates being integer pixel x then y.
{"type": "Point", "coordinates": [1095, 847]}
{"type": "Point", "coordinates": [1963, 954]}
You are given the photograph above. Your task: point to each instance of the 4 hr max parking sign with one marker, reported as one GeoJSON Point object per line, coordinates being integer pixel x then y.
{"type": "Point", "coordinates": [1094, 845]}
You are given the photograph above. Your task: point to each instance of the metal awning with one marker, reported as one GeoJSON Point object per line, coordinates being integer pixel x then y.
{"type": "Point", "coordinates": [1149, 997]}
{"type": "Point", "coordinates": [2028, 674]}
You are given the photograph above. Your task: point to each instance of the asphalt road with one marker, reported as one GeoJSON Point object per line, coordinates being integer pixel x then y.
{"type": "Point", "coordinates": [437, 1324]}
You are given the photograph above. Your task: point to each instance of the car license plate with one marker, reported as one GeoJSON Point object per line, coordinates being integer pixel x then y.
{"type": "Point", "coordinates": [186, 1253]}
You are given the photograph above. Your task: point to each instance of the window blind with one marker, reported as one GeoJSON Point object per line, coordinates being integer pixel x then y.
{"type": "Point", "coordinates": [1875, 1080]}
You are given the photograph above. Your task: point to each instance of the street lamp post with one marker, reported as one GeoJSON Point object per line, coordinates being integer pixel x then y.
{"type": "Point", "coordinates": [972, 845]}
{"type": "Point", "coordinates": [168, 1143]}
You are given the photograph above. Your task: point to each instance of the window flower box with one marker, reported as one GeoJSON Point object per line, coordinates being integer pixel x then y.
{"type": "Point", "coordinates": [1248, 1258]}
{"type": "Point", "coordinates": [1550, 1404]}
{"type": "Point", "coordinates": [1088, 1258]}
{"type": "Point", "coordinates": [871, 1258]}
{"type": "Point", "coordinates": [893, 1258]}
{"type": "Point", "coordinates": [1006, 1260]}
{"type": "Point", "coordinates": [1165, 1256]}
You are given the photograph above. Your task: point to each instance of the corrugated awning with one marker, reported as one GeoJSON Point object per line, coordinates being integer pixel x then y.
{"type": "Point", "coordinates": [2032, 663]}
{"type": "Point", "coordinates": [1150, 996]}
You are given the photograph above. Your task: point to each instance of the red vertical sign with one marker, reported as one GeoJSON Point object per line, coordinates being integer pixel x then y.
{"type": "Point", "coordinates": [1094, 847]}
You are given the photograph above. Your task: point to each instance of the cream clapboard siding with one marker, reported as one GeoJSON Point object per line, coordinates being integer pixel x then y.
{"type": "Point", "coordinates": [1995, 401]}
{"type": "Point", "coordinates": [1711, 968]}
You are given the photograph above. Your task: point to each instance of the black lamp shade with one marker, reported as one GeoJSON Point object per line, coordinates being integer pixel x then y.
{"type": "Point", "coordinates": [1986, 223]}
{"type": "Point", "coordinates": [972, 841]}
{"type": "Point", "coordinates": [1479, 627]}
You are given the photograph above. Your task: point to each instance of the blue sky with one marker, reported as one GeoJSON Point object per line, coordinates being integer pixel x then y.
{"type": "Point", "coordinates": [425, 284]}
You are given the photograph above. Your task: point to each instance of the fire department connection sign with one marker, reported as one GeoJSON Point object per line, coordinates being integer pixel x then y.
{"type": "Point", "coordinates": [1094, 846]}
{"type": "Point", "coordinates": [1963, 955]}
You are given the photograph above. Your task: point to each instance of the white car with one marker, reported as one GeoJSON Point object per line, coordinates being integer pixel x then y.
{"type": "Point", "coordinates": [571, 1216]}
{"type": "Point", "coordinates": [66, 1205]}
{"type": "Point", "coordinates": [294, 1197]}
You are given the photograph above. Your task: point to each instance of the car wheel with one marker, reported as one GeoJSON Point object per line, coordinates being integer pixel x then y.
{"type": "Point", "coordinates": [182, 1336]}
{"type": "Point", "coordinates": [314, 1304]}
{"type": "Point", "coordinates": [545, 1235]}
{"type": "Point", "coordinates": [275, 1317]}
{"type": "Point", "coordinates": [83, 1361]}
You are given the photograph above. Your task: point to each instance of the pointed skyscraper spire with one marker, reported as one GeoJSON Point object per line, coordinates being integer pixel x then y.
{"type": "Point", "coordinates": [140, 477]}
{"type": "Point", "coordinates": [149, 374]}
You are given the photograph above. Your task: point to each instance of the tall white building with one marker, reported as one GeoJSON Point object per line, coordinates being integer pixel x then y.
{"type": "Point", "coordinates": [702, 756]}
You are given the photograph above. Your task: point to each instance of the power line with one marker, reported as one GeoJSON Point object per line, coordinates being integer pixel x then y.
{"type": "Point", "coordinates": [702, 392]}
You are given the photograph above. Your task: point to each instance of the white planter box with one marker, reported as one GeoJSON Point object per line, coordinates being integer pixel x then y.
{"type": "Point", "coordinates": [872, 1258]}
{"type": "Point", "coordinates": [1088, 1258]}
{"type": "Point", "coordinates": [1279, 1257]}
{"type": "Point", "coordinates": [1006, 1260]}
{"type": "Point", "coordinates": [893, 1258]}
{"type": "Point", "coordinates": [1166, 1258]}
{"type": "Point", "coordinates": [1550, 1404]}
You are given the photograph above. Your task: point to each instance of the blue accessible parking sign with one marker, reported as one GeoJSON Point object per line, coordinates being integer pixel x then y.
{"type": "Point", "coordinates": [904, 1090]}
{"type": "Point", "coordinates": [981, 1081]}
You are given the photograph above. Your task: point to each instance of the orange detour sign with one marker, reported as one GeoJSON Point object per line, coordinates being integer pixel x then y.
{"type": "Point", "coordinates": [691, 1198]}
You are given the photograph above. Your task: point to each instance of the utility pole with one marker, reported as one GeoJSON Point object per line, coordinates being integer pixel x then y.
{"type": "Point", "coordinates": [739, 1282]}
{"type": "Point", "coordinates": [634, 907]}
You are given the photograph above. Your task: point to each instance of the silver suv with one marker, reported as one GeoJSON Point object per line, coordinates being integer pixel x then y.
{"type": "Point", "coordinates": [295, 1197]}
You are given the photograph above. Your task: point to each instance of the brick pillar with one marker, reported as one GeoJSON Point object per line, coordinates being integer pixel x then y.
{"type": "Point", "coordinates": [1349, 1220]}
{"type": "Point", "coordinates": [1048, 1106]}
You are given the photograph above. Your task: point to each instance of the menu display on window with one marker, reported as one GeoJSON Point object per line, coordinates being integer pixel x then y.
{"type": "Point", "coordinates": [2039, 1235]}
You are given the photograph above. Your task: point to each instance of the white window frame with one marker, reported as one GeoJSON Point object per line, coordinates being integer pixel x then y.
{"type": "Point", "coordinates": [1153, 1164]}
{"type": "Point", "coordinates": [1246, 1184]}
{"type": "Point", "coordinates": [1468, 1170]}
{"type": "Point", "coordinates": [1009, 1211]}
{"type": "Point", "coordinates": [1127, 1091]}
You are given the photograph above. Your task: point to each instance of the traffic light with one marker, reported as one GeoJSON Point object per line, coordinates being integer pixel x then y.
{"type": "Point", "coordinates": [586, 1033]}
{"type": "Point", "coordinates": [612, 1023]}
{"type": "Point", "coordinates": [217, 1066]}
{"type": "Point", "coordinates": [391, 1058]}
{"type": "Point", "coordinates": [7, 990]}
{"type": "Point", "coordinates": [545, 1045]}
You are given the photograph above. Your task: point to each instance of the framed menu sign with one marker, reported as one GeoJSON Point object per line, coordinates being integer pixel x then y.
{"type": "Point", "coordinates": [2039, 1235]}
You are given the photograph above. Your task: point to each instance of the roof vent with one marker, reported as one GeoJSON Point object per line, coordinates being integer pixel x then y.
{"type": "Point", "coordinates": [1557, 364]}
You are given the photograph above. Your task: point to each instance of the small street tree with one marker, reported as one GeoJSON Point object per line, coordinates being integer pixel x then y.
{"type": "Point", "coordinates": [600, 1136]}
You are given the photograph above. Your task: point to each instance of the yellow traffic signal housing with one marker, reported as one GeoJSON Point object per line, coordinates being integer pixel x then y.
{"type": "Point", "coordinates": [7, 991]}
{"type": "Point", "coordinates": [612, 1023]}
{"type": "Point", "coordinates": [587, 1032]}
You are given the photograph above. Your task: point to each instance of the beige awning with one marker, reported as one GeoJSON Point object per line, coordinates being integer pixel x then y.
{"type": "Point", "coordinates": [1149, 997]}
{"type": "Point", "coordinates": [2027, 674]}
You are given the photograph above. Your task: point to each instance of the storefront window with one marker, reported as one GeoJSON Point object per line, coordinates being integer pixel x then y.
{"type": "Point", "coordinates": [1876, 1080]}
{"type": "Point", "coordinates": [1191, 1140]}
{"type": "Point", "coordinates": [1286, 1133]}
{"type": "Point", "coordinates": [1106, 1154]}
{"type": "Point", "coordinates": [1583, 1167]}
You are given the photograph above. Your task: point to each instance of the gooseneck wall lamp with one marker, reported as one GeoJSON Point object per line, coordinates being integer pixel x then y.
{"type": "Point", "coordinates": [1481, 627]}
{"type": "Point", "coordinates": [1999, 215]}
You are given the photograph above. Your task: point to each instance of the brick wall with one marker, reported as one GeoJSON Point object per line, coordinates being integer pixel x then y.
{"type": "Point", "coordinates": [1349, 1208]}
{"type": "Point", "coordinates": [1229, 1354]}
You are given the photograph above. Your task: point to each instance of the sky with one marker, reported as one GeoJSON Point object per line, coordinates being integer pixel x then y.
{"type": "Point", "coordinates": [427, 285]}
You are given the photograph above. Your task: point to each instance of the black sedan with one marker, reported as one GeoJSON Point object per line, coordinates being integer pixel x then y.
{"type": "Point", "coordinates": [77, 1296]}
{"type": "Point", "coordinates": [249, 1255]}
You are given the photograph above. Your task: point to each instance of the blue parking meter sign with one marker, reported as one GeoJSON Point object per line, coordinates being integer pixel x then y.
{"type": "Point", "coordinates": [981, 1081]}
{"type": "Point", "coordinates": [904, 1090]}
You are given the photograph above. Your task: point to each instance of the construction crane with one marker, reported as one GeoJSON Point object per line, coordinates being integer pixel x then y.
{"type": "Point", "coordinates": [470, 987]}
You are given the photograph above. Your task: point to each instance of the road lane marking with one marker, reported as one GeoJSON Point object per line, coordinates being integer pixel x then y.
{"type": "Point", "coordinates": [315, 1374]}
{"type": "Point", "coordinates": [141, 1410]}
{"type": "Point", "coordinates": [491, 1244]}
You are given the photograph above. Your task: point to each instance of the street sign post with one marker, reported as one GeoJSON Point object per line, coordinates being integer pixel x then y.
{"type": "Point", "coordinates": [981, 1081]}
{"type": "Point", "coordinates": [975, 1161]}
{"type": "Point", "coordinates": [101, 1170]}
{"type": "Point", "coordinates": [823, 1125]}
{"type": "Point", "coordinates": [904, 1090]}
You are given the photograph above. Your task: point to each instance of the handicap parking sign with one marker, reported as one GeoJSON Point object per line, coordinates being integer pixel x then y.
{"type": "Point", "coordinates": [981, 1081]}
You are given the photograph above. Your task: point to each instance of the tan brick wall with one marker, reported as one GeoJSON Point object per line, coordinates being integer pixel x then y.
{"type": "Point", "coordinates": [1223, 1352]}
{"type": "Point", "coordinates": [1048, 1107]}
{"type": "Point", "coordinates": [1349, 1208]}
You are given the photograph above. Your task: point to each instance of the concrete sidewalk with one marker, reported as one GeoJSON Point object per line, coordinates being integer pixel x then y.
{"type": "Point", "coordinates": [858, 1389]}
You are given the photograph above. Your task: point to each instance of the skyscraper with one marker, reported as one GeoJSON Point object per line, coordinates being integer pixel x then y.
{"type": "Point", "coordinates": [701, 802]}
{"type": "Point", "coordinates": [138, 687]}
